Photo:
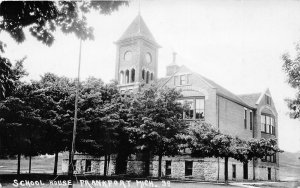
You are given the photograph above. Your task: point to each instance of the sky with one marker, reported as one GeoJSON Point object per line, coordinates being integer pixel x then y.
{"type": "Point", "coordinates": [236, 43]}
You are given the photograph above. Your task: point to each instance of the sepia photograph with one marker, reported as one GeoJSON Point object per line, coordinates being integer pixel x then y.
{"type": "Point", "coordinates": [150, 93]}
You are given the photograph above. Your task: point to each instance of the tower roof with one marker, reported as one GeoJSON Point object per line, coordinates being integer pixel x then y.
{"type": "Point", "coordinates": [138, 28]}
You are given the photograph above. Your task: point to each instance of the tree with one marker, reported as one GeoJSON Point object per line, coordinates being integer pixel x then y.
{"type": "Point", "coordinates": [21, 123]}
{"type": "Point", "coordinates": [101, 121]}
{"type": "Point", "coordinates": [158, 121]}
{"type": "Point", "coordinates": [43, 18]}
{"type": "Point", "coordinates": [50, 95]}
{"type": "Point", "coordinates": [291, 67]}
{"type": "Point", "coordinates": [206, 141]}
{"type": "Point", "coordinates": [10, 76]}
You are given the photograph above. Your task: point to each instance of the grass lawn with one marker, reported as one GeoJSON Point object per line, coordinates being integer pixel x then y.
{"type": "Point", "coordinates": [290, 184]}
{"type": "Point", "coordinates": [40, 164]}
{"type": "Point", "coordinates": [133, 184]}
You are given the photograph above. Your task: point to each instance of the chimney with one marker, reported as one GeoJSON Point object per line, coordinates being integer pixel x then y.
{"type": "Point", "coordinates": [173, 67]}
{"type": "Point", "coordinates": [174, 58]}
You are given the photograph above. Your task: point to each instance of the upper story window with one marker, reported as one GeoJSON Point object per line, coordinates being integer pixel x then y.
{"type": "Point", "coordinates": [269, 158]}
{"type": "Point", "coordinates": [148, 57]}
{"type": "Point", "coordinates": [128, 56]}
{"type": "Point", "coordinates": [183, 79]}
{"type": "Point", "coordinates": [245, 118]}
{"type": "Point", "coordinates": [267, 124]}
{"type": "Point", "coordinates": [268, 99]}
{"type": "Point", "coordinates": [195, 108]}
{"type": "Point", "coordinates": [251, 120]}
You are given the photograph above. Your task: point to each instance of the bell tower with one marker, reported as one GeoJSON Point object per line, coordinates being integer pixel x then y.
{"type": "Point", "coordinates": [136, 59]}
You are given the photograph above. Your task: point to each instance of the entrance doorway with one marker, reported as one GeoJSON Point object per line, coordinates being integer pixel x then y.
{"type": "Point", "coordinates": [269, 173]}
{"type": "Point", "coordinates": [245, 167]}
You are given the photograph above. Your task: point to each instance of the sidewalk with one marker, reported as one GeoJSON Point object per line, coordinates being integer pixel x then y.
{"type": "Point", "coordinates": [266, 184]}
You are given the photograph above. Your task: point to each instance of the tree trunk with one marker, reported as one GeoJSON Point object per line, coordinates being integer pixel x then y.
{"type": "Point", "coordinates": [29, 169]}
{"type": "Point", "coordinates": [159, 166]}
{"type": "Point", "coordinates": [70, 170]}
{"type": "Point", "coordinates": [55, 163]}
{"type": "Point", "coordinates": [121, 162]}
{"type": "Point", "coordinates": [19, 163]}
{"type": "Point", "coordinates": [253, 168]}
{"type": "Point", "coordinates": [226, 171]}
{"type": "Point", "coordinates": [108, 162]}
{"type": "Point", "coordinates": [105, 165]}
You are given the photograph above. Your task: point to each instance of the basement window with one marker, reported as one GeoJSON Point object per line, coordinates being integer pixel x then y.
{"type": "Point", "coordinates": [168, 168]}
{"type": "Point", "coordinates": [188, 168]}
{"type": "Point", "coordinates": [88, 165]}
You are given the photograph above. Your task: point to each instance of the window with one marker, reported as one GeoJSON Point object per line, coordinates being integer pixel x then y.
{"type": "Point", "coordinates": [88, 166]}
{"type": "Point", "coordinates": [168, 168]}
{"type": "Point", "coordinates": [148, 57]}
{"type": "Point", "coordinates": [199, 109]}
{"type": "Point", "coordinates": [151, 76]}
{"type": "Point", "coordinates": [233, 171]}
{"type": "Point", "coordinates": [273, 126]}
{"type": "Point", "coordinates": [245, 118]}
{"type": "Point", "coordinates": [121, 77]}
{"type": "Point", "coordinates": [147, 77]}
{"type": "Point", "coordinates": [267, 124]}
{"type": "Point", "coordinates": [188, 78]}
{"type": "Point", "coordinates": [143, 74]}
{"type": "Point", "coordinates": [268, 99]}
{"type": "Point", "coordinates": [132, 75]}
{"type": "Point", "coordinates": [127, 56]}
{"type": "Point", "coordinates": [194, 108]}
{"type": "Point", "coordinates": [182, 79]}
{"type": "Point", "coordinates": [251, 120]}
{"type": "Point", "coordinates": [188, 168]}
{"type": "Point", "coordinates": [175, 80]}
{"type": "Point", "coordinates": [74, 165]}
{"type": "Point", "coordinates": [263, 123]}
{"type": "Point", "coordinates": [127, 76]}
{"type": "Point", "coordinates": [269, 158]}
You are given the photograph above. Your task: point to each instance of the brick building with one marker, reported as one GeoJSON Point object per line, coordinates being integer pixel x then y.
{"type": "Point", "coordinates": [245, 116]}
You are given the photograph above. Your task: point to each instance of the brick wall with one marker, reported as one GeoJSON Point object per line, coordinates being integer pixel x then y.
{"type": "Point", "coordinates": [231, 119]}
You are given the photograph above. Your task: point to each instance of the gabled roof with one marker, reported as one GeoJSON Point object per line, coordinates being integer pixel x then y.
{"type": "Point", "coordinates": [221, 91]}
{"type": "Point", "coordinates": [162, 81]}
{"type": "Point", "coordinates": [138, 28]}
{"type": "Point", "coordinates": [250, 99]}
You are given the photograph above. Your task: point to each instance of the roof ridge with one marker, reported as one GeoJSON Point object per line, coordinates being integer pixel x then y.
{"type": "Point", "coordinates": [137, 28]}
{"type": "Point", "coordinates": [246, 94]}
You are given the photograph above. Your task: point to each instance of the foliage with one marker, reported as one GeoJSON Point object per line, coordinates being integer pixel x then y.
{"type": "Point", "coordinates": [22, 126]}
{"type": "Point", "coordinates": [42, 18]}
{"type": "Point", "coordinates": [205, 141]}
{"type": "Point", "coordinates": [156, 121]}
{"type": "Point", "coordinates": [10, 76]}
{"type": "Point", "coordinates": [291, 67]}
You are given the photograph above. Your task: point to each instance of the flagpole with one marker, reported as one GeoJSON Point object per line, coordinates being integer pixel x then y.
{"type": "Point", "coordinates": [71, 170]}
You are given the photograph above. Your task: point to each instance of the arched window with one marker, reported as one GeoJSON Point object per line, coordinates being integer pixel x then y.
{"type": "Point", "coordinates": [127, 56]}
{"type": "Point", "coordinates": [143, 74]}
{"type": "Point", "coordinates": [132, 75]}
{"type": "Point", "coordinates": [147, 77]}
{"type": "Point", "coordinates": [151, 76]}
{"type": "Point", "coordinates": [121, 78]}
{"type": "Point", "coordinates": [127, 76]}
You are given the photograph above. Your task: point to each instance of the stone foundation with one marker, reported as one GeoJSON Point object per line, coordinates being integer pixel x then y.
{"type": "Point", "coordinates": [97, 165]}
{"type": "Point", "coordinates": [205, 169]}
